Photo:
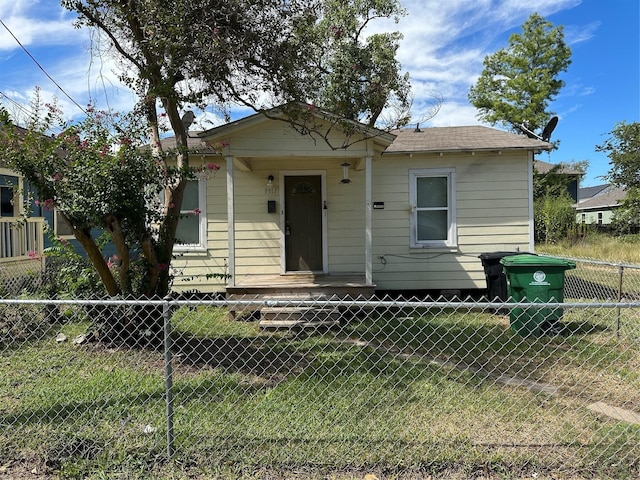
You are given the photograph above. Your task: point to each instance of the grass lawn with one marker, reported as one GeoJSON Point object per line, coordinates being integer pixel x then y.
{"type": "Point", "coordinates": [401, 394]}
{"type": "Point", "coordinates": [597, 246]}
{"type": "Point", "coordinates": [596, 280]}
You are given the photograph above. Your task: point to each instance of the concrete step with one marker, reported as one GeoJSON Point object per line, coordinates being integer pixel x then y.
{"type": "Point", "coordinates": [298, 317]}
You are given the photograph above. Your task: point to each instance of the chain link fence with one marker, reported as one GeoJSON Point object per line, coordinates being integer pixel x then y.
{"type": "Point", "coordinates": [332, 388]}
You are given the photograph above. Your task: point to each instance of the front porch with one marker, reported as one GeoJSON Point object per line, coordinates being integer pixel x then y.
{"type": "Point", "coordinates": [292, 288]}
{"type": "Point", "coordinates": [21, 253]}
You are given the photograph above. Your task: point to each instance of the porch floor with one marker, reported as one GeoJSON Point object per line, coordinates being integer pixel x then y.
{"type": "Point", "coordinates": [303, 284]}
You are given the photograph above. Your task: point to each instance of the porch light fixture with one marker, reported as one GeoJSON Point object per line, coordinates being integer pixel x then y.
{"type": "Point", "coordinates": [345, 173]}
{"type": "Point", "coordinates": [270, 181]}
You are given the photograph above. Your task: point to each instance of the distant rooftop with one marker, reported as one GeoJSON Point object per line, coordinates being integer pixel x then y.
{"type": "Point", "coordinates": [605, 196]}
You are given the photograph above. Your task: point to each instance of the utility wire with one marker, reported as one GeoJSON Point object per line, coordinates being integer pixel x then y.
{"type": "Point", "coordinates": [19, 106]}
{"type": "Point", "coordinates": [27, 113]}
{"type": "Point", "coordinates": [41, 68]}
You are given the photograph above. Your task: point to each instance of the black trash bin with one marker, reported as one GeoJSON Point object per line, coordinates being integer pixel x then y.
{"type": "Point", "coordinates": [495, 276]}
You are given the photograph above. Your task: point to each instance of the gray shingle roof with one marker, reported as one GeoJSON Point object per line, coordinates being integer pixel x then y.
{"type": "Point", "coordinates": [607, 198]}
{"type": "Point", "coordinates": [544, 167]}
{"type": "Point", "coordinates": [587, 192]}
{"type": "Point", "coordinates": [194, 142]}
{"type": "Point", "coordinates": [457, 139]}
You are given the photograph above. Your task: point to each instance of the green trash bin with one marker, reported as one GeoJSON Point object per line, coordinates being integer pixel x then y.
{"type": "Point", "coordinates": [531, 278]}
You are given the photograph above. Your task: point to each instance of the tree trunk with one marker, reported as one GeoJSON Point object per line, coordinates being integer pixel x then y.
{"type": "Point", "coordinates": [95, 257]}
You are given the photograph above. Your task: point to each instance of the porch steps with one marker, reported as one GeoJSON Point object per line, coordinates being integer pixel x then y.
{"type": "Point", "coordinates": [273, 318]}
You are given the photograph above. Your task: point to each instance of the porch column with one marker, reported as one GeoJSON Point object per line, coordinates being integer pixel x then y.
{"type": "Point", "coordinates": [368, 267]}
{"type": "Point", "coordinates": [231, 222]}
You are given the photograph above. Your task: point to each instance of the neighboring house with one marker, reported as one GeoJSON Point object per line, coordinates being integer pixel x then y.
{"type": "Point", "coordinates": [408, 211]}
{"type": "Point", "coordinates": [573, 176]}
{"type": "Point", "coordinates": [597, 205]}
{"type": "Point", "coordinates": [21, 239]}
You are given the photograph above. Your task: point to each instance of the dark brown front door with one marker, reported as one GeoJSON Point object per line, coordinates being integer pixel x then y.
{"type": "Point", "coordinates": [303, 223]}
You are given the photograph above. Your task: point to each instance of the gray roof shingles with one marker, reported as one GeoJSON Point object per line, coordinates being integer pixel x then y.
{"type": "Point", "coordinates": [458, 139]}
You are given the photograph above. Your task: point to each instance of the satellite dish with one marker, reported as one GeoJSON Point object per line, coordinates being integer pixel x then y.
{"type": "Point", "coordinates": [548, 130]}
{"type": "Point", "coordinates": [187, 120]}
{"type": "Point", "coordinates": [528, 132]}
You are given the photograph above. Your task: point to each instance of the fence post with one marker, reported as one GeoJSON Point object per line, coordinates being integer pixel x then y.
{"type": "Point", "coordinates": [166, 315]}
{"type": "Point", "coordinates": [620, 273]}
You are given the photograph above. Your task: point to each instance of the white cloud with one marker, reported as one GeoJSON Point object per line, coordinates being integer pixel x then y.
{"type": "Point", "coordinates": [580, 33]}
{"type": "Point", "coordinates": [36, 23]}
{"type": "Point", "coordinates": [445, 43]}
{"type": "Point", "coordinates": [443, 48]}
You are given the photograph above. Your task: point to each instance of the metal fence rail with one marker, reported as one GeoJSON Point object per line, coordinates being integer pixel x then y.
{"type": "Point", "coordinates": [318, 389]}
{"type": "Point", "coordinates": [601, 281]}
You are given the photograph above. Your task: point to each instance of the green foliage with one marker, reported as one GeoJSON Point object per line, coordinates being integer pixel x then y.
{"type": "Point", "coordinates": [98, 176]}
{"type": "Point", "coordinates": [260, 54]}
{"type": "Point", "coordinates": [359, 75]}
{"type": "Point", "coordinates": [554, 182]}
{"type": "Point", "coordinates": [623, 150]}
{"type": "Point", "coordinates": [68, 274]}
{"type": "Point", "coordinates": [554, 217]}
{"type": "Point", "coordinates": [518, 83]}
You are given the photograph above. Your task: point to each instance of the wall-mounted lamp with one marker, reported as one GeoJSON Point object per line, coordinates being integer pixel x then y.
{"type": "Point", "coordinates": [270, 181]}
{"type": "Point", "coordinates": [345, 173]}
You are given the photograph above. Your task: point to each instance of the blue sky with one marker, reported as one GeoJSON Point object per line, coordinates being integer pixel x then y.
{"type": "Point", "coordinates": [443, 48]}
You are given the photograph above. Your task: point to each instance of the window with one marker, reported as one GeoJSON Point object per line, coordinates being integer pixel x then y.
{"type": "Point", "coordinates": [7, 195]}
{"type": "Point", "coordinates": [62, 229]}
{"type": "Point", "coordinates": [599, 218]}
{"type": "Point", "coordinates": [6, 201]}
{"type": "Point", "coordinates": [433, 213]}
{"type": "Point", "coordinates": [192, 226]}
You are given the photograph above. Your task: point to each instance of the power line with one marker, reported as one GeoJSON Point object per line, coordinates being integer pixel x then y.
{"type": "Point", "coordinates": [19, 106]}
{"type": "Point", "coordinates": [16, 104]}
{"type": "Point", "coordinates": [41, 68]}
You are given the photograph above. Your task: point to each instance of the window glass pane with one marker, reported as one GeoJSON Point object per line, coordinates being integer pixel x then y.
{"type": "Point", "coordinates": [432, 191]}
{"type": "Point", "coordinates": [6, 201]}
{"type": "Point", "coordinates": [189, 230]}
{"type": "Point", "coordinates": [61, 226]}
{"type": "Point", "coordinates": [432, 225]}
{"type": "Point", "coordinates": [190, 199]}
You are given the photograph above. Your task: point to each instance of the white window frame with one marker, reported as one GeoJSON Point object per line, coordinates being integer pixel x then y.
{"type": "Point", "coordinates": [201, 246]}
{"type": "Point", "coordinates": [452, 238]}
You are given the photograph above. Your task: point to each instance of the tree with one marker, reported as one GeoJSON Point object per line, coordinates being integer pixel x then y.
{"type": "Point", "coordinates": [623, 150]}
{"type": "Point", "coordinates": [518, 83]}
{"type": "Point", "coordinates": [554, 214]}
{"type": "Point", "coordinates": [181, 53]}
{"type": "Point", "coordinates": [359, 75]}
{"type": "Point", "coordinates": [96, 178]}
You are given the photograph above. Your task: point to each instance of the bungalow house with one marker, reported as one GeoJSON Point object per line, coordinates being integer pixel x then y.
{"type": "Point", "coordinates": [596, 205]}
{"type": "Point", "coordinates": [407, 211]}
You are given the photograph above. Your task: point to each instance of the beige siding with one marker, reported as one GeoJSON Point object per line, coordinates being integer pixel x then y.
{"type": "Point", "coordinates": [193, 268]}
{"type": "Point", "coordinates": [492, 198]}
{"type": "Point", "coordinates": [492, 215]}
{"type": "Point", "coordinates": [278, 139]}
